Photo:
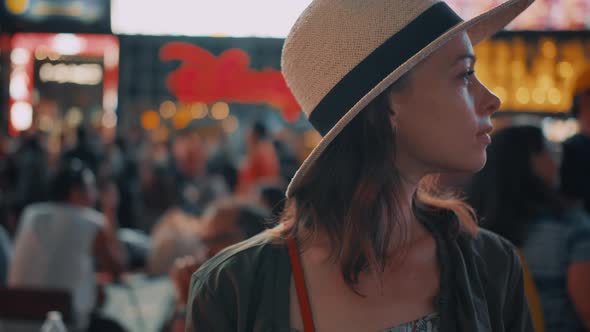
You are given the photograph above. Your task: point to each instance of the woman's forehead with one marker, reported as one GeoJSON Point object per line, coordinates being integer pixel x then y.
{"type": "Point", "coordinates": [457, 49]}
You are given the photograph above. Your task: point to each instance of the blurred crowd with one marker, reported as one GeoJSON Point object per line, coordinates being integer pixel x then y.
{"type": "Point", "coordinates": [91, 212]}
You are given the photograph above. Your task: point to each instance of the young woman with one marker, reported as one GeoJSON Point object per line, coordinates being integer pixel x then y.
{"type": "Point", "coordinates": [516, 196]}
{"type": "Point", "coordinates": [365, 244]}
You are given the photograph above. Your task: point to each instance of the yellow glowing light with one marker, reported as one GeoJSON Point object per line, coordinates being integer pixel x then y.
{"type": "Point", "coordinates": [74, 117]}
{"type": "Point", "coordinates": [518, 68]}
{"type": "Point", "coordinates": [523, 95]}
{"type": "Point", "coordinates": [545, 81]}
{"type": "Point", "coordinates": [68, 44]}
{"type": "Point", "coordinates": [230, 124]}
{"type": "Point", "coordinates": [549, 49]}
{"type": "Point", "coordinates": [559, 130]}
{"type": "Point", "coordinates": [150, 120]}
{"type": "Point", "coordinates": [41, 52]}
{"type": "Point", "coordinates": [167, 109]}
{"type": "Point", "coordinates": [554, 96]}
{"type": "Point", "coordinates": [199, 110]}
{"type": "Point", "coordinates": [220, 111]}
{"type": "Point", "coordinates": [20, 56]}
{"type": "Point", "coordinates": [53, 56]}
{"type": "Point", "coordinates": [539, 95]}
{"type": "Point", "coordinates": [566, 70]}
{"type": "Point", "coordinates": [17, 6]}
{"type": "Point", "coordinates": [21, 116]}
{"type": "Point", "coordinates": [182, 118]}
{"type": "Point", "coordinates": [83, 74]}
{"type": "Point", "coordinates": [18, 87]}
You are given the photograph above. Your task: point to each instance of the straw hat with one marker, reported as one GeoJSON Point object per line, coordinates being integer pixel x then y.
{"type": "Point", "coordinates": [341, 54]}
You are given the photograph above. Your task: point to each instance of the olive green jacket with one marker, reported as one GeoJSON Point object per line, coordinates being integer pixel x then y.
{"type": "Point", "coordinates": [246, 287]}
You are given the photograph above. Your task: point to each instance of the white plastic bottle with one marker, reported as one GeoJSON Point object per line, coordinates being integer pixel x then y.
{"type": "Point", "coordinates": [53, 323]}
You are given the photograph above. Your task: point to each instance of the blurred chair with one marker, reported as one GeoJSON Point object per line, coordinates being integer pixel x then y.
{"type": "Point", "coordinates": [25, 309]}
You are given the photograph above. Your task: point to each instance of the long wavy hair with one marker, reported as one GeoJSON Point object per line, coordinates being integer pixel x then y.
{"type": "Point", "coordinates": [506, 193]}
{"type": "Point", "coordinates": [353, 193]}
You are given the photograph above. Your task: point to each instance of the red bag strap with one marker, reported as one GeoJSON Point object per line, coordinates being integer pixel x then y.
{"type": "Point", "coordinates": [297, 269]}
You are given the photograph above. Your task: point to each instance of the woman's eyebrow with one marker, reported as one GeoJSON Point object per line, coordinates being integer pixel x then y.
{"type": "Point", "coordinates": [469, 56]}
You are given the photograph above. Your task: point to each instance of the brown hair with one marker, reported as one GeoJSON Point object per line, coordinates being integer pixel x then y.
{"type": "Point", "coordinates": [353, 194]}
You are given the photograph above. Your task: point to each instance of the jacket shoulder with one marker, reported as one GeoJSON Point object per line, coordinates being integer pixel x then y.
{"type": "Point", "coordinates": [230, 288]}
{"type": "Point", "coordinates": [241, 259]}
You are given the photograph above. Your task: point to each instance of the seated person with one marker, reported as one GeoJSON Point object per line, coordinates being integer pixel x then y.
{"type": "Point", "coordinates": [59, 243]}
{"type": "Point", "coordinates": [225, 223]}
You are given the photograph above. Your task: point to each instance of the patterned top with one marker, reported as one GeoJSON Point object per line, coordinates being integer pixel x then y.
{"type": "Point", "coordinates": [428, 323]}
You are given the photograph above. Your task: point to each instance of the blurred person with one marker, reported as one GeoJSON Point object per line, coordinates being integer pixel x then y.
{"type": "Point", "coordinates": [116, 166]}
{"type": "Point", "coordinates": [365, 242]}
{"type": "Point", "coordinates": [272, 197]}
{"type": "Point", "coordinates": [5, 255]}
{"type": "Point", "coordinates": [221, 162]}
{"type": "Point", "coordinates": [31, 168]}
{"type": "Point", "coordinates": [127, 178]}
{"type": "Point", "coordinates": [9, 173]}
{"type": "Point", "coordinates": [195, 188]}
{"type": "Point", "coordinates": [84, 150]}
{"type": "Point", "coordinates": [516, 195]}
{"type": "Point", "coordinates": [59, 243]}
{"type": "Point", "coordinates": [575, 166]}
{"type": "Point", "coordinates": [226, 222]}
{"type": "Point", "coordinates": [134, 242]}
{"type": "Point", "coordinates": [261, 162]}
{"type": "Point", "coordinates": [288, 163]}
{"type": "Point", "coordinates": [229, 221]}
{"type": "Point", "coordinates": [157, 188]}
{"type": "Point", "coordinates": [174, 236]}
{"type": "Point", "coordinates": [8, 167]}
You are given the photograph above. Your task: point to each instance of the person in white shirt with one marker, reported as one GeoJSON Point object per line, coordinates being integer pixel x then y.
{"type": "Point", "coordinates": [59, 243]}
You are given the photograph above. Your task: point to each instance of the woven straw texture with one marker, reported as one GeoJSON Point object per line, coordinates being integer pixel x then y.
{"type": "Point", "coordinates": [331, 37]}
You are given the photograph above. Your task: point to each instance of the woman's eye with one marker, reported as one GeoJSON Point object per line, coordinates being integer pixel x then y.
{"type": "Point", "coordinates": [467, 75]}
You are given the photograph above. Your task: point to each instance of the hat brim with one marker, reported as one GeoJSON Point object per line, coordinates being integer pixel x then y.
{"type": "Point", "coordinates": [478, 29]}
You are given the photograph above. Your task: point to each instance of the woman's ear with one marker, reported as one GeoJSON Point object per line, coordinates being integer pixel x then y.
{"type": "Point", "coordinates": [394, 107]}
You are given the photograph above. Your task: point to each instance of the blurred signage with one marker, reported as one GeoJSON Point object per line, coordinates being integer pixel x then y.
{"type": "Point", "coordinates": [55, 73]}
{"type": "Point", "coordinates": [82, 74]}
{"type": "Point", "coordinates": [541, 15]}
{"type": "Point", "coordinates": [205, 78]}
{"type": "Point", "coordinates": [83, 16]}
{"type": "Point", "coordinates": [533, 71]}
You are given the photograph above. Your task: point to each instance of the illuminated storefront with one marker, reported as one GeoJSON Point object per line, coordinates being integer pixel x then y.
{"type": "Point", "coordinates": [61, 81]}
{"type": "Point", "coordinates": [534, 71]}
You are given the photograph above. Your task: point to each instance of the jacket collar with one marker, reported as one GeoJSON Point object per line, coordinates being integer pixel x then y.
{"type": "Point", "coordinates": [461, 304]}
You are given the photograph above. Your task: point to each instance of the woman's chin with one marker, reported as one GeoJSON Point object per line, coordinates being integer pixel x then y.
{"type": "Point", "coordinates": [471, 166]}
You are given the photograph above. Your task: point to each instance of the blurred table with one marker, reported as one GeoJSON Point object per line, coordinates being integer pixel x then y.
{"type": "Point", "coordinates": [140, 303]}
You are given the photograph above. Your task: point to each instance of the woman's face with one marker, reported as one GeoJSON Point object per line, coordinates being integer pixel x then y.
{"type": "Point", "coordinates": [442, 115]}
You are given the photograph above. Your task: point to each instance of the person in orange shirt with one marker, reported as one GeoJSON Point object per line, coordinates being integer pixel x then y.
{"type": "Point", "coordinates": [261, 164]}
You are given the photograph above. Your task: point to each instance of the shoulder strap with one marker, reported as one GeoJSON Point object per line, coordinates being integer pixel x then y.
{"type": "Point", "coordinates": [304, 306]}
